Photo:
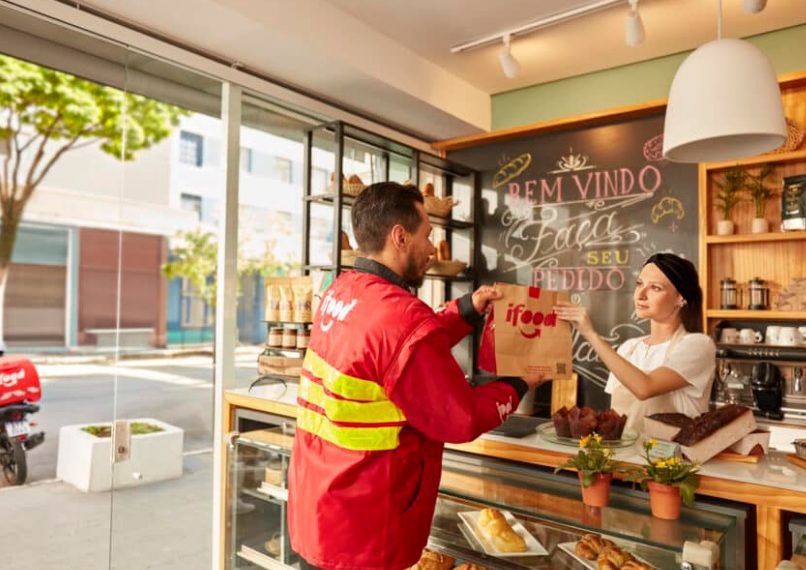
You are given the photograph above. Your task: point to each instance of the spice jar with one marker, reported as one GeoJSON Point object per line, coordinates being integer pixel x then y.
{"type": "Point", "coordinates": [303, 336]}
{"type": "Point", "coordinates": [275, 337]}
{"type": "Point", "coordinates": [289, 338]}
{"type": "Point", "coordinates": [729, 295]}
{"type": "Point", "coordinates": [758, 294]}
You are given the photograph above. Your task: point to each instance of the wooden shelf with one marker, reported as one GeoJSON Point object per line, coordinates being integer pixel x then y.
{"type": "Point", "coordinates": [757, 238]}
{"type": "Point", "coordinates": [748, 314]}
{"type": "Point", "coordinates": [756, 160]}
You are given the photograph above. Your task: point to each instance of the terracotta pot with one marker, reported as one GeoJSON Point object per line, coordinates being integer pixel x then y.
{"type": "Point", "coordinates": [598, 494]}
{"type": "Point", "coordinates": [664, 501]}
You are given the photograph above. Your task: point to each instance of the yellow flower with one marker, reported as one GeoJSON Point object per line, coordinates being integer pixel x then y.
{"type": "Point", "coordinates": [583, 442]}
{"type": "Point", "coordinates": [660, 463]}
{"type": "Point", "coordinates": [651, 443]}
{"type": "Point", "coordinates": [597, 437]}
{"type": "Point", "coordinates": [674, 461]}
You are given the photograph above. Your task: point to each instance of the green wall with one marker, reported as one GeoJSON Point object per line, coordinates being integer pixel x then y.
{"type": "Point", "coordinates": [628, 84]}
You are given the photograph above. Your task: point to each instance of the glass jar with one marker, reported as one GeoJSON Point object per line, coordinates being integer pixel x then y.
{"type": "Point", "coordinates": [758, 294]}
{"type": "Point", "coordinates": [275, 337]}
{"type": "Point", "coordinates": [728, 294]}
{"type": "Point", "coordinates": [303, 336]}
{"type": "Point", "coordinates": [289, 338]}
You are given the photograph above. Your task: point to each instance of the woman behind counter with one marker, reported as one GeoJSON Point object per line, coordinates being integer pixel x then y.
{"type": "Point", "coordinates": [671, 369]}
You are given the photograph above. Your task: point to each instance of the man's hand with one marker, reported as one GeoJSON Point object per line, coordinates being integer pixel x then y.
{"type": "Point", "coordinates": [484, 296]}
{"type": "Point", "coordinates": [534, 380]}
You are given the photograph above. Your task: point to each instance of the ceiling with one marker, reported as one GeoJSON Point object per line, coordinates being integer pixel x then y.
{"type": "Point", "coordinates": [390, 59]}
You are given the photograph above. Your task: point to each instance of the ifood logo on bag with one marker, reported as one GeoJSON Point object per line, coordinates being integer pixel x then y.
{"type": "Point", "coordinates": [529, 323]}
{"type": "Point", "coordinates": [332, 310]}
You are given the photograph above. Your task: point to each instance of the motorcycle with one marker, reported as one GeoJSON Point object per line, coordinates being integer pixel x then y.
{"type": "Point", "coordinates": [19, 387]}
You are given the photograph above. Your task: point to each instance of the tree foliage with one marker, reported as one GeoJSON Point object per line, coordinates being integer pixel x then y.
{"type": "Point", "coordinates": [194, 257]}
{"type": "Point", "coordinates": [45, 113]}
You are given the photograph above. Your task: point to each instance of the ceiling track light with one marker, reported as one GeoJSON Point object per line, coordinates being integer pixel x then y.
{"type": "Point", "coordinates": [634, 32]}
{"type": "Point", "coordinates": [509, 65]}
{"type": "Point", "coordinates": [537, 24]}
{"type": "Point", "coordinates": [754, 6]}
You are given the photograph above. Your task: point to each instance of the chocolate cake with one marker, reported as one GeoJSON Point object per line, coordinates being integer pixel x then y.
{"type": "Point", "coordinates": [704, 425]}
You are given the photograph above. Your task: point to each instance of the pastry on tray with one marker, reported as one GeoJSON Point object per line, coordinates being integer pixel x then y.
{"type": "Point", "coordinates": [493, 525]}
{"type": "Point", "coordinates": [430, 560]}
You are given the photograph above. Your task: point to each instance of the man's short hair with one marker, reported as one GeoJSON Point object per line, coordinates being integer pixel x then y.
{"type": "Point", "coordinates": [379, 208]}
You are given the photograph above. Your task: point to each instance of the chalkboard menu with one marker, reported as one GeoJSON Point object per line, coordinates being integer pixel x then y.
{"type": "Point", "coordinates": [581, 210]}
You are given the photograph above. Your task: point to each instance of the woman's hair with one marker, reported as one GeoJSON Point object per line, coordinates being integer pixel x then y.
{"type": "Point", "coordinates": [378, 208]}
{"type": "Point", "coordinates": [683, 275]}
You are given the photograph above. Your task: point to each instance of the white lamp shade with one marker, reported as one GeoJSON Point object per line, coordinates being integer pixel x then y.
{"type": "Point", "coordinates": [724, 104]}
{"type": "Point", "coordinates": [754, 6]}
{"type": "Point", "coordinates": [634, 32]}
{"type": "Point", "coordinates": [509, 65]}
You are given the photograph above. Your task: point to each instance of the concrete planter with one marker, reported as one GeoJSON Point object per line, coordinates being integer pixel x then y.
{"type": "Point", "coordinates": [85, 460]}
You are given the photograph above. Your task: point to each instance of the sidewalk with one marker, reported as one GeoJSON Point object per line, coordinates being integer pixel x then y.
{"type": "Point", "coordinates": [94, 356]}
{"type": "Point", "coordinates": [162, 526]}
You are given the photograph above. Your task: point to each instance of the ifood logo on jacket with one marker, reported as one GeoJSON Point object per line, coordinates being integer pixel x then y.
{"type": "Point", "coordinates": [332, 310]}
{"type": "Point", "coordinates": [529, 323]}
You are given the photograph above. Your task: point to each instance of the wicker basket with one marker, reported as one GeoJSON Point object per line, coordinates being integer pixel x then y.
{"type": "Point", "coordinates": [448, 268]}
{"type": "Point", "coordinates": [348, 256]}
{"type": "Point", "coordinates": [794, 137]}
{"type": "Point", "coordinates": [349, 188]}
{"type": "Point", "coordinates": [440, 206]}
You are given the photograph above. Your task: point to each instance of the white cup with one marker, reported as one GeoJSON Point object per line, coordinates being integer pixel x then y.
{"type": "Point", "coordinates": [773, 332]}
{"type": "Point", "coordinates": [789, 336]}
{"type": "Point", "coordinates": [749, 336]}
{"type": "Point", "coordinates": [729, 335]}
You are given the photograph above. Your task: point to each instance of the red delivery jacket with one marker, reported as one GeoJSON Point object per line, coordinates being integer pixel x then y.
{"type": "Point", "coordinates": [379, 394]}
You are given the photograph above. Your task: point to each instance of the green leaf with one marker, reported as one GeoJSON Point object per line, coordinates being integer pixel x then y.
{"type": "Point", "coordinates": [687, 488]}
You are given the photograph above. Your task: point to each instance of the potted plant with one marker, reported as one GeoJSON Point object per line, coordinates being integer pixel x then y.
{"type": "Point", "coordinates": [760, 193]}
{"type": "Point", "coordinates": [728, 196]}
{"type": "Point", "coordinates": [595, 467]}
{"type": "Point", "coordinates": [668, 480]}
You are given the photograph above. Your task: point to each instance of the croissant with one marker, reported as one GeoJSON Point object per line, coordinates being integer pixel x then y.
{"type": "Point", "coordinates": [493, 524]}
{"type": "Point", "coordinates": [586, 551]}
{"type": "Point", "coordinates": [430, 560]}
{"type": "Point", "coordinates": [604, 564]}
{"type": "Point", "coordinates": [469, 566]}
{"type": "Point", "coordinates": [614, 555]}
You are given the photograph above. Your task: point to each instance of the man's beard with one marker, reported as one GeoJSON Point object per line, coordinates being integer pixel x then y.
{"type": "Point", "coordinates": [412, 274]}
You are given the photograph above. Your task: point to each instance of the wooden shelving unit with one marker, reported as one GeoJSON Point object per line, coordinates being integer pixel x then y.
{"type": "Point", "coordinates": [777, 257]}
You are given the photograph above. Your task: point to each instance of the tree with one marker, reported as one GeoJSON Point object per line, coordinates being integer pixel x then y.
{"type": "Point", "coordinates": [195, 255]}
{"type": "Point", "coordinates": [45, 114]}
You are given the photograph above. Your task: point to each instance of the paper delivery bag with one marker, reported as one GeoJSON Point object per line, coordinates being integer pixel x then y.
{"type": "Point", "coordinates": [522, 334]}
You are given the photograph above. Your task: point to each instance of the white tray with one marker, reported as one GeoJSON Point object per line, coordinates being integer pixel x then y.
{"type": "Point", "coordinates": [533, 546]}
{"type": "Point", "coordinates": [570, 549]}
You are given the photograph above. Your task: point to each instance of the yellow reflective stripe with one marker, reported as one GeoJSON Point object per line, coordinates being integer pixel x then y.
{"type": "Point", "coordinates": [345, 411]}
{"type": "Point", "coordinates": [355, 438]}
{"type": "Point", "coordinates": [342, 384]}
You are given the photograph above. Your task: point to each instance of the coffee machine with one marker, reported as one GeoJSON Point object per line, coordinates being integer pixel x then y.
{"type": "Point", "coordinates": [767, 376]}
{"type": "Point", "coordinates": [767, 385]}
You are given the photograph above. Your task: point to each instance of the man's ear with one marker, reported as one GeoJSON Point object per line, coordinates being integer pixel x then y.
{"type": "Point", "coordinates": [399, 236]}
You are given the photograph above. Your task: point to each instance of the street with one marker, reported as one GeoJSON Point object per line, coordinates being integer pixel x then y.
{"type": "Point", "coordinates": [176, 390]}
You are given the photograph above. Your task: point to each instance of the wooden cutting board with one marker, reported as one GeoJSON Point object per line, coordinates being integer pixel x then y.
{"type": "Point", "coordinates": [795, 460]}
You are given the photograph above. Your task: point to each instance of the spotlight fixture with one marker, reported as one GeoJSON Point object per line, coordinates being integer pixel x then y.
{"type": "Point", "coordinates": [724, 103]}
{"type": "Point", "coordinates": [509, 65]}
{"type": "Point", "coordinates": [634, 33]}
{"type": "Point", "coordinates": [754, 6]}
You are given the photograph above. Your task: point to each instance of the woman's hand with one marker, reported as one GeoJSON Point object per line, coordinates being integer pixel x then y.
{"type": "Point", "coordinates": [577, 315]}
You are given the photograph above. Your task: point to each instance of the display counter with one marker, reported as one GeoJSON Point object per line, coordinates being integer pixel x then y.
{"type": "Point", "coordinates": [484, 473]}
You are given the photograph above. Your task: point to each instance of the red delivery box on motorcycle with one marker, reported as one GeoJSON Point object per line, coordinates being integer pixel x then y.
{"type": "Point", "coordinates": [19, 381]}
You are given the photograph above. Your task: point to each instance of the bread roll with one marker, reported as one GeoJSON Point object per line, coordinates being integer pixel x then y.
{"type": "Point", "coordinates": [493, 525]}
{"type": "Point", "coordinates": [355, 179]}
{"type": "Point", "coordinates": [345, 242]}
{"type": "Point", "coordinates": [443, 251]}
{"type": "Point", "coordinates": [428, 189]}
{"type": "Point", "coordinates": [469, 566]}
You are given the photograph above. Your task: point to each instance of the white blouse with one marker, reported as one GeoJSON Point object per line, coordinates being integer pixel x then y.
{"type": "Point", "coordinates": [692, 355]}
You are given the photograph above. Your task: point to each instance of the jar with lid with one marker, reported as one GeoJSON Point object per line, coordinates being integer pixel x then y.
{"type": "Point", "coordinates": [729, 294]}
{"type": "Point", "coordinates": [289, 338]}
{"type": "Point", "coordinates": [303, 336]}
{"type": "Point", "coordinates": [758, 294]}
{"type": "Point", "coordinates": [275, 337]}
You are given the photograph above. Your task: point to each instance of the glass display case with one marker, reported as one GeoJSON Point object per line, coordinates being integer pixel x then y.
{"type": "Point", "coordinates": [550, 509]}
{"type": "Point", "coordinates": [258, 462]}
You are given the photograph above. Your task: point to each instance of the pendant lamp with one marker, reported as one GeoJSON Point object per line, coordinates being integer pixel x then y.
{"type": "Point", "coordinates": [724, 104]}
